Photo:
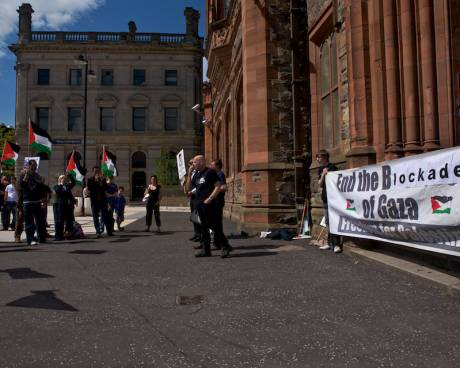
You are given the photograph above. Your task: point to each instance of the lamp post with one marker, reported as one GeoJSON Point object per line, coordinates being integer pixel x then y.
{"type": "Point", "coordinates": [83, 61]}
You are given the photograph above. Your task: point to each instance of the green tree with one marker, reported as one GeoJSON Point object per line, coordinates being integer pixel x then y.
{"type": "Point", "coordinates": [6, 133]}
{"type": "Point", "coordinates": [166, 168]}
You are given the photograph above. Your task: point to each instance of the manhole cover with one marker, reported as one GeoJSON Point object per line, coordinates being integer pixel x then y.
{"type": "Point", "coordinates": [189, 300]}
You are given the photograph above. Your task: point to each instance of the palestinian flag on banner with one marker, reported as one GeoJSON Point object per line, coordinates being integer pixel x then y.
{"type": "Point", "coordinates": [39, 139]}
{"type": "Point", "coordinates": [74, 171]}
{"type": "Point", "coordinates": [109, 161]}
{"type": "Point", "coordinates": [441, 204]}
{"type": "Point", "coordinates": [10, 153]}
{"type": "Point", "coordinates": [350, 206]}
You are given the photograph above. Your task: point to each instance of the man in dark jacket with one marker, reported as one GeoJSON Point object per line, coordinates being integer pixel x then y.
{"type": "Point", "coordinates": [96, 189]}
{"type": "Point", "coordinates": [333, 241]}
{"type": "Point", "coordinates": [207, 188]}
{"type": "Point", "coordinates": [30, 184]}
{"type": "Point", "coordinates": [63, 206]}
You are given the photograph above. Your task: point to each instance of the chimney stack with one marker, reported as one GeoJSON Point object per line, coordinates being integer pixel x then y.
{"type": "Point", "coordinates": [25, 23]}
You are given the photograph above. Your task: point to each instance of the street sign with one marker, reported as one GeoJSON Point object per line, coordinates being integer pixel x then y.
{"type": "Point", "coordinates": [66, 141]}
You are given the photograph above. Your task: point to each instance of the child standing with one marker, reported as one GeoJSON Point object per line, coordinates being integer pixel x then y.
{"type": "Point", "coordinates": [120, 204]}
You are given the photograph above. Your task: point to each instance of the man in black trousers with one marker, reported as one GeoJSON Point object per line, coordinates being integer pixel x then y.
{"type": "Point", "coordinates": [96, 188]}
{"type": "Point", "coordinates": [207, 188]}
{"type": "Point", "coordinates": [189, 190]}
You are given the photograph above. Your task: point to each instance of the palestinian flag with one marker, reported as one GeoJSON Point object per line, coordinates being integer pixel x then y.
{"type": "Point", "coordinates": [441, 204]}
{"type": "Point", "coordinates": [108, 163]}
{"type": "Point", "coordinates": [350, 206]}
{"type": "Point", "coordinates": [10, 153]}
{"type": "Point", "coordinates": [74, 171]}
{"type": "Point", "coordinates": [39, 139]}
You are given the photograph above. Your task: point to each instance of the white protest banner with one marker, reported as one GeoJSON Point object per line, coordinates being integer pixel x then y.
{"type": "Point", "coordinates": [413, 201]}
{"type": "Point", "coordinates": [27, 159]}
{"type": "Point", "coordinates": [181, 169]}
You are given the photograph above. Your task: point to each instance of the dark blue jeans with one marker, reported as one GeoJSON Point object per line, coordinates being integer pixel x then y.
{"type": "Point", "coordinates": [100, 209]}
{"type": "Point", "coordinates": [8, 208]}
{"type": "Point", "coordinates": [34, 220]}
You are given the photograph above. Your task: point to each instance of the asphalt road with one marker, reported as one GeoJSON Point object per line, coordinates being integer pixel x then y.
{"type": "Point", "coordinates": [143, 300]}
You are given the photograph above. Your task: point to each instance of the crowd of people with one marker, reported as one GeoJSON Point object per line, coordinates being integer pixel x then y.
{"type": "Point", "coordinates": [24, 203]}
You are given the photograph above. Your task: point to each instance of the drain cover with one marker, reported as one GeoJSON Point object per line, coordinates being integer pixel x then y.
{"type": "Point", "coordinates": [189, 300]}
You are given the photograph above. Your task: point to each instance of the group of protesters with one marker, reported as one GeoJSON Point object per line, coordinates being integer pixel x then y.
{"type": "Point", "coordinates": [24, 205]}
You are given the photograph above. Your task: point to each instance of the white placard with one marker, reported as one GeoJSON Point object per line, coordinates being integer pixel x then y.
{"type": "Point", "coordinates": [181, 169]}
{"type": "Point", "coordinates": [413, 201]}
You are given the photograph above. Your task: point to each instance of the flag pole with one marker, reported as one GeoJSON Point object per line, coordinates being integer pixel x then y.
{"type": "Point", "coordinates": [28, 140]}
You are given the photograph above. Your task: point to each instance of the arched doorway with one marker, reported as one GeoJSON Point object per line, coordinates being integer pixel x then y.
{"type": "Point", "coordinates": [138, 185]}
{"type": "Point", "coordinates": [138, 160]}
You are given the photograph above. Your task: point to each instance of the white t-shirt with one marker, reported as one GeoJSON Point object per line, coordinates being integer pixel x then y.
{"type": "Point", "coordinates": [12, 196]}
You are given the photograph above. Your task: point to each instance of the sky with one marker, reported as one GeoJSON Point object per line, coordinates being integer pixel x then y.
{"type": "Point", "coordinates": [162, 16]}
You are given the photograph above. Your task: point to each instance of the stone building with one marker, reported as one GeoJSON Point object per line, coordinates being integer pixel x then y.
{"type": "Point", "coordinates": [140, 90]}
{"type": "Point", "coordinates": [384, 78]}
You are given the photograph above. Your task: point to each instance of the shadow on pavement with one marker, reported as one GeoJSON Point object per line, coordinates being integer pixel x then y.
{"type": "Point", "coordinates": [255, 247]}
{"type": "Point", "coordinates": [121, 240]}
{"type": "Point", "coordinates": [163, 233]}
{"type": "Point", "coordinates": [43, 299]}
{"type": "Point", "coordinates": [88, 251]}
{"type": "Point", "coordinates": [25, 273]}
{"type": "Point", "coordinates": [18, 250]}
{"type": "Point", "coordinates": [253, 254]}
{"type": "Point", "coordinates": [78, 241]}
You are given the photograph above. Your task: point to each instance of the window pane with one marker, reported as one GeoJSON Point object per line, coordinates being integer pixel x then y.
{"type": "Point", "coordinates": [336, 112]}
{"type": "Point", "coordinates": [107, 77]}
{"type": "Point", "coordinates": [139, 119]}
{"type": "Point", "coordinates": [74, 121]}
{"type": "Point", "coordinates": [43, 117]}
{"type": "Point", "coordinates": [171, 77]}
{"type": "Point", "coordinates": [327, 122]}
{"type": "Point", "coordinates": [43, 77]}
{"type": "Point", "coordinates": [138, 77]}
{"type": "Point", "coordinates": [75, 77]}
{"type": "Point", "coordinates": [106, 120]}
{"type": "Point", "coordinates": [334, 75]}
{"type": "Point", "coordinates": [325, 68]}
{"type": "Point", "coordinates": [170, 119]}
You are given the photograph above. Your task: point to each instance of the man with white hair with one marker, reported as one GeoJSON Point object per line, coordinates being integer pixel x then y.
{"type": "Point", "coordinates": [206, 189]}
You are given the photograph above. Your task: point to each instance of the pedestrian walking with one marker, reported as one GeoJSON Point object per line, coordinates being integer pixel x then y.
{"type": "Point", "coordinates": [152, 192]}
{"type": "Point", "coordinates": [63, 207]}
{"type": "Point", "coordinates": [334, 241]}
{"type": "Point", "coordinates": [120, 205]}
{"type": "Point", "coordinates": [96, 189]}
{"type": "Point", "coordinates": [207, 188]}
{"type": "Point", "coordinates": [220, 200]}
{"type": "Point", "coordinates": [189, 189]}
{"type": "Point", "coordinates": [30, 184]}
{"type": "Point", "coordinates": [3, 184]}
{"type": "Point", "coordinates": [10, 204]}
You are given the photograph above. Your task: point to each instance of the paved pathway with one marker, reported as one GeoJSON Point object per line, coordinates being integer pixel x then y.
{"type": "Point", "coordinates": [142, 300]}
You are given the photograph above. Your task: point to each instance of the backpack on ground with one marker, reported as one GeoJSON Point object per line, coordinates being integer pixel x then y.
{"type": "Point", "coordinates": [77, 232]}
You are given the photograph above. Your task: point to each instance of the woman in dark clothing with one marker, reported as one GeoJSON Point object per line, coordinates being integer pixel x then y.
{"type": "Point", "coordinates": [63, 206]}
{"type": "Point", "coordinates": [153, 203]}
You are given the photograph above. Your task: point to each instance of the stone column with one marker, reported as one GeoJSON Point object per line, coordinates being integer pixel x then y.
{"type": "Point", "coordinates": [410, 90]}
{"type": "Point", "coordinates": [393, 91]}
{"type": "Point", "coordinates": [428, 68]}
{"type": "Point", "coordinates": [361, 152]}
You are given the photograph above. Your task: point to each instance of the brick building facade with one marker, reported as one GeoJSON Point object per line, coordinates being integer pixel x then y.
{"type": "Point", "coordinates": [384, 79]}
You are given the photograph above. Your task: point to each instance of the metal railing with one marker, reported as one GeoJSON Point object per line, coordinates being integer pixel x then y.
{"type": "Point", "coordinates": [109, 37]}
